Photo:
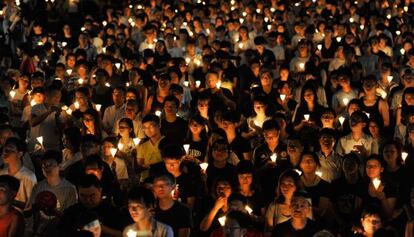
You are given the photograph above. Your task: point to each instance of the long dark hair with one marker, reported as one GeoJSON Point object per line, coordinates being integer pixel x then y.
{"type": "Point", "coordinates": [309, 85]}
{"type": "Point", "coordinates": [130, 124]}
{"type": "Point", "coordinates": [96, 123]}
{"type": "Point", "coordinates": [287, 174]}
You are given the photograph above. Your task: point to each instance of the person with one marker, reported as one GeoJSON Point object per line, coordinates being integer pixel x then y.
{"type": "Point", "coordinates": [71, 147]}
{"type": "Point", "coordinates": [330, 161]}
{"type": "Point", "coordinates": [299, 224]}
{"type": "Point", "coordinates": [116, 111]}
{"type": "Point", "coordinates": [91, 124]}
{"type": "Point", "coordinates": [11, 220]}
{"type": "Point", "coordinates": [168, 211]}
{"type": "Point", "coordinates": [91, 199]}
{"type": "Point", "coordinates": [148, 151]}
{"type": "Point", "coordinates": [118, 166]}
{"type": "Point", "coordinates": [172, 126]}
{"type": "Point", "coordinates": [371, 222]}
{"type": "Point", "coordinates": [12, 155]}
{"type": "Point", "coordinates": [132, 112]}
{"type": "Point", "coordinates": [197, 138]}
{"type": "Point", "coordinates": [141, 202]}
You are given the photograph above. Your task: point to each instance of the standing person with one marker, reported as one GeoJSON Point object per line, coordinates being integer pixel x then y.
{"type": "Point", "coordinates": [11, 220]}
{"type": "Point", "coordinates": [116, 111]}
{"type": "Point", "coordinates": [168, 211]}
{"type": "Point", "coordinates": [12, 155]}
{"type": "Point", "coordinates": [172, 126]}
{"type": "Point", "coordinates": [141, 202]}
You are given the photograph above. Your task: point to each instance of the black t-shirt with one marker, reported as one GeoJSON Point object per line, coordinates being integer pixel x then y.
{"type": "Point", "coordinates": [389, 191]}
{"type": "Point", "coordinates": [268, 177]}
{"type": "Point", "coordinates": [255, 202]}
{"type": "Point", "coordinates": [262, 153]}
{"type": "Point", "coordinates": [239, 146]}
{"type": "Point", "coordinates": [228, 172]}
{"type": "Point", "coordinates": [285, 229]}
{"type": "Point", "coordinates": [344, 196]}
{"type": "Point", "coordinates": [322, 189]}
{"type": "Point", "coordinates": [178, 217]}
{"type": "Point", "coordinates": [198, 149]}
{"type": "Point", "coordinates": [176, 130]}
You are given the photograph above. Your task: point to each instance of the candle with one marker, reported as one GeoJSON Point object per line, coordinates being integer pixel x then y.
{"type": "Point", "coordinates": [64, 108]}
{"type": "Point", "coordinates": [241, 45]}
{"type": "Point", "coordinates": [186, 83]}
{"type": "Point", "coordinates": [204, 166]}
{"type": "Point", "coordinates": [40, 140]}
{"type": "Point", "coordinates": [389, 78]}
{"type": "Point", "coordinates": [12, 94]}
{"type": "Point", "coordinates": [32, 103]}
{"type": "Point", "coordinates": [376, 182]}
{"type": "Point", "coordinates": [241, 20]}
{"type": "Point", "coordinates": [131, 233]}
{"type": "Point", "coordinates": [158, 113]}
{"type": "Point", "coordinates": [218, 84]}
{"type": "Point", "coordinates": [362, 27]}
{"type": "Point", "coordinates": [120, 146]}
{"type": "Point", "coordinates": [69, 71]}
{"type": "Point", "coordinates": [351, 20]}
{"type": "Point", "coordinates": [186, 147]}
{"type": "Point", "coordinates": [187, 60]}
{"type": "Point", "coordinates": [402, 51]}
{"type": "Point", "coordinates": [248, 209]}
{"type": "Point", "coordinates": [404, 156]}
{"type": "Point", "coordinates": [282, 97]}
{"type": "Point", "coordinates": [389, 16]}
{"type": "Point", "coordinates": [272, 9]}
{"type": "Point", "coordinates": [301, 66]}
{"type": "Point", "coordinates": [341, 120]}
{"type": "Point", "coordinates": [338, 39]}
{"type": "Point", "coordinates": [222, 220]}
{"type": "Point", "coordinates": [273, 157]}
{"type": "Point", "coordinates": [98, 107]}
{"type": "Point", "coordinates": [244, 14]}
{"type": "Point", "coordinates": [104, 23]}
{"type": "Point", "coordinates": [198, 83]}
{"type": "Point", "coordinates": [398, 32]}
{"type": "Point", "coordinates": [107, 84]}
{"type": "Point", "coordinates": [258, 10]}
{"type": "Point", "coordinates": [64, 44]}
{"type": "Point", "coordinates": [367, 114]}
{"type": "Point", "coordinates": [76, 104]}
{"type": "Point", "coordinates": [136, 141]}
{"type": "Point", "coordinates": [318, 173]}
{"type": "Point", "coordinates": [319, 47]}
{"type": "Point", "coordinates": [298, 171]}
{"type": "Point", "coordinates": [118, 65]}
{"type": "Point", "coordinates": [113, 152]}
{"type": "Point", "coordinates": [83, 28]}
{"type": "Point", "coordinates": [80, 81]}
{"type": "Point", "coordinates": [69, 111]}
{"type": "Point", "coordinates": [306, 116]}
{"type": "Point", "coordinates": [345, 101]}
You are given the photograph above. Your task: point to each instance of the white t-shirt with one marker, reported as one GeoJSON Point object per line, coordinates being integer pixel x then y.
{"type": "Point", "coordinates": [27, 181]}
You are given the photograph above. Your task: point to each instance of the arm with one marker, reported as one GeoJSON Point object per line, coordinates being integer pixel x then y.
{"type": "Point", "coordinates": [385, 113]}
{"type": "Point", "coordinates": [36, 120]}
{"type": "Point", "coordinates": [208, 220]}
{"type": "Point", "coordinates": [148, 105]}
{"type": "Point", "coordinates": [17, 226]}
{"type": "Point", "coordinates": [184, 232]}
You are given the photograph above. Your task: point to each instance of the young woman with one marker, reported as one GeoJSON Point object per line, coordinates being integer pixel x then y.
{"type": "Point", "coordinates": [197, 138]}
{"type": "Point", "coordinates": [255, 122]}
{"type": "Point", "coordinates": [126, 135]}
{"type": "Point", "coordinates": [279, 210]}
{"type": "Point", "coordinates": [82, 102]}
{"type": "Point", "coordinates": [71, 152]}
{"type": "Point", "coordinates": [91, 124]}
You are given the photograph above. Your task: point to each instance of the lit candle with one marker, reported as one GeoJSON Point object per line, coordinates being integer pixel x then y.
{"type": "Point", "coordinates": [319, 47]}
{"type": "Point", "coordinates": [389, 16]}
{"type": "Point", "coordinates": [258, 10]}
{"type": "Point", "coordinates": [406, 8]}
{"type": "Point", "coordinates": [136, 141]}
{"type": "Point", "coordinates": [306, 116]}
{"type": "Point", "coordinates": [64, 108]}
{"type": "Point", "coordinates": [272, 9]}
{"type": "Point", "coordinates": [218, 84]}
{"type": "Point", "coordinates": [298, 171]}
{"type": "Point", "coordinates": [367, 114]}
{"type": "Point", "coordinates": [107, 84]}
{"type": "Point", "coordinates": [244, 14]}
{"type": "Point", "coordinates": [345, 101]}
{"type": "Point", "coordinates": [83, 28]}
{"type": "Point", "coordinates": [362, 27]}
{"type": "Point", "coordinates": [12, 94]}
{"type": "Point", "coordinates": [241, 20]}
{"type": "Point", "coordinates": [104, 23]}
{"type": "Point", "coordinates": [186, 148]}
{"type": "Point", "coordinates": [120, 146]}
{"type": "Point", "coordinates": [389, 78]}
{"type": "Point", "coordinates": [338, 39]}
{"type": "Point", "coordinates": [301, 66]}
{"type": "Point", "coordinates": [402, 51]}
{"type": "Point", "coordinates": [198, 83]}
{"type": "Point", "coordinates": [341, 120]}
{"type": "Point", "coordinates": [80, 81]}
{"type": "Point", "coordinates": [187, 60]}
{"type": "Point", "coordinates": [266, 19]}
{"type": "Point", "coordinates": [118, 65]}
{"type": "Point", "coordinates": [98, 107]}
{"type": "Point", "coordinates": [398, 32]}
{"type": "Point", "coordinates": [248, 209]}
{"type": "Point", "coordinates": [64, 44]}
{"type": "Point", "coordinates": [222, 220]}
{"type": "Point", "coordinates": [204, 166]}
{"type": "Point", "coordinates": [318, 173]}
{"type": "Point", "coordinates": [76, 104]}
{"type": "Point", "coordinates": [40, 140]}
{"type": "Point", "coordinates": [113, 152]}
{"type": "Point", "coordinates": [404, 156]}
{"type": "Point", "coordinates": [32, 103]}
{"type": "Point", "coordinates": [241, 45]}
{"type": "Point", "coordinates": [282, 97]}
{"type": "Point", "coordinates": [376, 182]}
{"type": "Point", "coordinates": [273, 157]}
{"type": "Point", "coordinates": [69, 71]}
{"type": "Point", "coordinates": [186, 83]}
{"type": "Point", "coordinates": [351, 20]}
{"type": "Point", "coordinates": [131, 233]}
{"type": "Point", "coordinates": [269, 27]}
{"type": "Point", "coordinates": [158, 113]}
{"type": "Point", "coordinates": [69, 111]}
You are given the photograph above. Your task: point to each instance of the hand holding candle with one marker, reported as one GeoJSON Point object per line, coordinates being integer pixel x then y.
{"type": "Point", "coordinates": [376, 182]}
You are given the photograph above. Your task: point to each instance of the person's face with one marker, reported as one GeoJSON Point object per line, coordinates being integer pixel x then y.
{"type": "Point", "coordinates": [259, 108]}
{"type": "Point", "coordinates": [228, 125]}
{"type": "Point", "coordinates": [308, 96]}
{"type": "Point", "coordinates": [293, 148]}
{"type": "Point", "coordinates": [138, 211]}
{"type": "Point", "coordinates": [284, 73]}
{"type": "Point", "coordinates": [170, 107]}
{"type": "Point", "coordinates": [81, 98]}
{"type": "Point", "coordinates": [357, 126]}
{"type": "Point", "coordinates": [150, 129]}
{"type": "Point", "coordinates": [5, 195]}
{"type": "Point", "coordinates": [260, 48]}
{"type": "Point", "coordinates": [131, 96]}
{"type": "Point", "coordinates": [90, 197]}
{"type": "Point", "coordinates": [202, 106]}
{"type": "Point", "coordinates": [211, 81]}
{"type": "Point", "coordinates": [220, 152]}
{"type": "Point", "coordinates": [369, 86]}
{"type": "Point", "coordinates": [55, 98]}
{"type": "Point", "coordinates": [164, 84]}
{"type": "Point", "coordinates": [223, 189]}
{"type": "Point", "coordinates": [163, 189]}
{"type": "Point", "coordinates": [373, 128]}
{"type": "Point", "coordinates": [172, 165]}
{"type": "Point", "coordinates": [88, 121]}
{"type": "Point", "coordinates": [373, 169]}
{"type": "Point", "coordinates": [390, 154]}
{"type": "Point", "coordinates": [106, 149]}
{"type": "Point", "coordinates": [300, 208]}
{"type": "Point", "coordinates": [71, 61]}
{"type": "Point", "coordinates": [118, 97]}
{"type": "Point", "coordinates": [195, 127]}
{"type": "Point", "coordinates": [308, 164]}
{"type": "Point", "coordinates": [266, 79]}
{"type": "Point", "coordinates": [371, 223]}
{"type": "Point", "coordinates": [287, 187]}
{"type": "Point", "coordinates": [326, 141]}
{"type": "Point", "coordinates": [245, 179]}
{"type": "Point", "coordinates": [50, 168]}
{"type": "Point", "coordinates": [23, 83]}
{"type": "Point", "coordinates": [11, 155]}
{"type": "Point", "coordinates": [271, 137]}
{"type": "Point", "coordinates": [327, 119]}
{"type": "Point", "coordinates": [37, 83]}
{"type": "Point", "coordinates": [124, 129]}
{"type": "Point", "coordinates": [130, 112]}
{"type": "Point", "coordinates": [409, 99]}
{"type": "Point", "coordinates": [352, 108]}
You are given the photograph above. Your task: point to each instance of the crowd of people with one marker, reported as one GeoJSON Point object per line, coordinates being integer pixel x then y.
{"type": "Point", "coordinates": [207, 118]}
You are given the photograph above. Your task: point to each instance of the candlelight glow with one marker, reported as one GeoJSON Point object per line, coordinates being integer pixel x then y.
{"type": "Point", "coordinates": [40, 140]}
{"type": "Point", "coordinates": [204, 166]}
{"type": "Point", "coordinates": [273, 157]}
{"type": "Point", "coordinates": [248, 209]}
{"type": "Point", "coordinates": [113, 152]}
{"type": "Point", "coordinates": [306, 116]}
{"type": "Point", "coordinates": [136, 141]}
{"type": "Point", "coordinates": [98, 107]}
{"type": "Point", "coordinates": [186, 147]}
{"type": "Point", "coordinates": [376, 182]}
{"type": "Point", "coordinates": [222, 220]}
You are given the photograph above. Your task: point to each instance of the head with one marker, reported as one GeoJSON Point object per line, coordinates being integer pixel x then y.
{"type": "Point", "coordinates": [118, 96]}
{"type": "Point", "coordinates": [327, 138]}
{"type": "Point", "coordinates": [357, 121]}
{"type": "Point", "coordinates": [172, 155]}
{"type": "Point", "coordinates": [271, 132]}
{"type": "Point", "coordinates": [374, 166]}
{"type": "Point", "coordinates": [289, 182]}
{"type": "Point", "coordinates": [222, 187]}
{"type": "Point", "coordinates": [50, 163]}
{"type": "Point", "coordinates": [89, 145]}
{"type": "Point", "coordinates": [245, 173]}
{"type": "Point", "coordinates": [13, 151]}
{"type": "Point", "coordinates": [141, 202]}
{"type": "Point", "coordinates": [171, 104]}
{"type": "Point", "coordinates": [164, 186]}
{"type": "Point", "coordinates": [309, 162]}
{"type": "Point", "coordinates": [126, 128]}
{"type": "Point", "coordinates": [350, 165]}
{"type": "Point", "coordinates": [300, 205]}
{"type": "Point", "coordinates": [391, 153]}
{"type": "Point", "coordinates": [94, 165]}
{"type": "Point", "coordinates": [90, 191]}
{"type": "Point", "coordinates": [9, 186]}
{"type": "Point", "coordinates": [151, 125]}
{"type": "Point", "coordinates": [220, 150]}
{"type": "Point", "coordinates": [371, 220]}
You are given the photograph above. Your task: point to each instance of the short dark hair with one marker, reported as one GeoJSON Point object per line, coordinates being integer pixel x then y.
{"type": "Point", "coordinates": [89, 180]}
{"type": "Point", "coordinates": [151, 118]}
{"type": "Point", "coordinates": [52, 155]}
{"type": "Point", "coordinates": [165, 177]}
{"type": "Point", "coordinates": [141, 195]}
{"type": "Point", "coordinates": [20, 145]}
{"type": "Point", "coordinates": [94, 159]}
{"type": "Point", "coordinates": [172, 98]}
{"type": "Point", "coordinates": [172, 151]}
{"type": "Point", "coordinates": [231, 116]}
{"type": "Point", "coordinates": [270, 125]}
{"type": "Point", "coordinates": [12, 182]}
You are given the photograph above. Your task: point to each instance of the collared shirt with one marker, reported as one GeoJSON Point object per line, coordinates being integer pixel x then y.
{"type": "Point", "coordinates": [330, 166]}
{"type": "Point", "coordinates": [346, 144]}
{"type": "Point", "coordinates": [111, 115]}
{"type": "Point", "coordinates": [120, 168]}
{"type": "Point", "coordinates": [158, 229]}
{"type": "Point", "coordinates": [150, 153]}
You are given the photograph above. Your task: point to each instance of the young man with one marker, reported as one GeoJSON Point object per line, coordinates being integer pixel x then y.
{"type": "Point", "coordinates": [299, 223]}
{"type": "Point", "coordinates": [116, 111]}
{"type": "Point", "coordinates": [342, 97]}
{"type": "Point", "coordinates": [64, 191]}
{"type": "Point", "coordinates": [239, 145]}
{"type": "Point", "coordinates": [91, 199]}
{"type": "Point", "coordinates": [148, 152]}
{"type": "Point", "coordinates": [141, 202]}
{"type": "Point", "coordinates": [168, 211]}
{"type": "Point", "coordinates": [330, 161]}
{"type": "Point", "coordinates": [12, 155]}
{"type": "Point", "coordinates": [118, 166]}
{"type": "Point", "coordinates": [48, 117]}
{"type": "Point", "coordinates": [11, 220]}
{"type": "Point", "coordinates": [172, 126]}
{"type": "Point", "coordinates": [357, 140]}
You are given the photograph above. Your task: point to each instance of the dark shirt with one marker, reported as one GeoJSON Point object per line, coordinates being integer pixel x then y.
{"type": "Point", "coordinates": [228, 172]}
{"type": "Point", "coordinates": [239, 146]}
{"type": "Point", "coordinates": [176, 130]}
{"type": "Point", "coordinates": [178, 217]}
{"type": "Point", "coordinates": [285, 229]}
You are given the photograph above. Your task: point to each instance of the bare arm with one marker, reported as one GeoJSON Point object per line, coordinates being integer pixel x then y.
{"type": "Point", "coordinates": [184, 232]}
{"type": "Point", "coordinates": [385, 112]}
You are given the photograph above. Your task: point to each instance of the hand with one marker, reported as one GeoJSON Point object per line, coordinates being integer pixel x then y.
{"type": "Point", "coordinates": [220, 202]}
{"type": "Point", "coordinates": [376, 193]}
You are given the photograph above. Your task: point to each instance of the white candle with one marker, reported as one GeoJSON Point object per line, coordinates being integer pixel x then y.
{"type": "Point", "coordinates": [362, 27]}
{"type": "Point", "coordinates": [301, 66]}
{"type": "Point", "coordinates": [69, 71]}
{"type": "Point", "coordinates": [64, 44]}
{"type": "Point", "coordinates": [76, 104]}
{"type": "Point", "coordinates": [187, 60]}
{"type": "Point", "coordinates": [136, 141]}
{"type": "Point", "coordinates": [241, 20]}
{"type": "Point", "coordinates": [345, 101]}
{"type": "Point", "coordinates": [341, 120]}
{"type": "Point", "coordinates": [338, 39]}
{"type": "Point", "coordinates": [389, 78]}
{"type": "Point", "coordinates": [376, 182]}
{"type": "Point", "coordinates": [131, 233]}
{"type": "Point", "coordinates": [398, 32]}
{"type": "Point", "coordinates": [40, 140]}
{"type": "Point", "coordinates": [218, 84]}
{"type": "Point", "coordinates": [198, 83]}
{"type": "Point", "coordinates": [186, 147]}
{"type": "Point", "coordinates": [104, 23]}
{"type": "Point", "coordinates": [298, 171]}
{"type": "Point", "coordinates": [241, 45]}
{"type": "Point", "coordinates": [158, 113]}
{"type": "Point", "coordinates": [318, 173]}
{"type": "Point", "coordinates": [118, 65]}
{"type": "Point", "coordinates": [402, 51]}
{"type": "Point", "coordinates": [98, 107]}
{"type": "Point", "coordinates": [273, 157]}
{"type": "Point", "coordinates": [306, 116]}
{"type": "Point", "coordinates": [69, 111]}
{"type": "Point", "coordinates": [120, 146]}
{"type": "Point", "coordinates": [404, 156]}
{"type": "Point", "coordinates": [282, 97]}
{"type": "Point", "coordinates": [32, 103]}
{"type": "Point", "coordinates": [319, 47]}
{"type": "Point", "coordinates": [204, 166]}
{"type": "Point", "coordinates": [186, 83]}
{"type": "Point", "coordinates": [12, 94]}
{"type": "Point", "coordinates": [222, 220]}
{"type": "Point", "coordinates": [113, 152]}
{"type": "Point", "coordinates": [248, 209]}
{"type": "Point", "coordinates": [80, 81]}
{"type": "Point", "coordinates": [107, 84]}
